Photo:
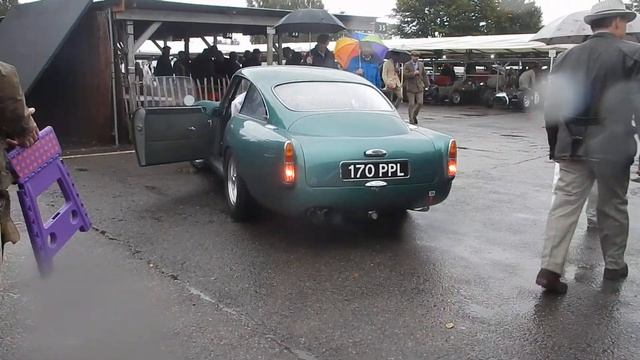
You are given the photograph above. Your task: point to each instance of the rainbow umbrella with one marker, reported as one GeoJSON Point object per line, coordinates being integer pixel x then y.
{"type": "Point", "coordinates": [346, 49]}
{"type": "Point", "coordinates": [374, 42]}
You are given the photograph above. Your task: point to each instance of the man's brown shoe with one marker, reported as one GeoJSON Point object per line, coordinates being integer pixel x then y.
{"type": "Point", "coordinates": [550, 281]}
{"type": "Point", "coordinates": [616, 274]}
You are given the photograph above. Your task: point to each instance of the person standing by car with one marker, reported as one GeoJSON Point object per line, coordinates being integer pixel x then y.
{"type": "Point", "coordinates": [391, 78]}
{"type": "Point", "coordinates": [366, 66]}
{"type": "Point", "coordinates": [17, 128]}
{"type": "Point", "coordinates": [320, 55]}
{"type": "Point", "coordinates": [416, 81]}
{"type": "Point", "coordinates": [591, 136]}
{"type": "Point", "coordinates": [527, 81]}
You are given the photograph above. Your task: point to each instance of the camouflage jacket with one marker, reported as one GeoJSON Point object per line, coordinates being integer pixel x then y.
{"type": "Point", "coordinates": [15, 120]}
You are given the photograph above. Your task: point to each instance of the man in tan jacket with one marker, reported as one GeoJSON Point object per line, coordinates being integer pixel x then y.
{"type": "Point", "coordinates": [416, 81]}
{"type": "Point", "coordinates": [391, 80]}
{"type": "Point", "coordinates": [17, 128]}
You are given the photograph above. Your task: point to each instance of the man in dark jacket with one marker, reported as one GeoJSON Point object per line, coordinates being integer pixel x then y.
{"type": "Point", "coordinates": [320, 55]}
{"type": "Point", "coordinates": [163, 67]}
{"type": "Point", "coordinates": [182, 66]}
{"type": "Point", "coordinates": [590, 133]}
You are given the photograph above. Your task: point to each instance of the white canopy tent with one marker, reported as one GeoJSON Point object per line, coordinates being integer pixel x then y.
{"type": "Point", "coordinates": [489, 44]}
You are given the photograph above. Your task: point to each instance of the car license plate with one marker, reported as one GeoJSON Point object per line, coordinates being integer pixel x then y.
{"type": "Point", "coordinates": [365, 170]}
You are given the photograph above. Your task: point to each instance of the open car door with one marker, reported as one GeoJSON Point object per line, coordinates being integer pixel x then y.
{"type": "Point", "coordinates": [171, 134]}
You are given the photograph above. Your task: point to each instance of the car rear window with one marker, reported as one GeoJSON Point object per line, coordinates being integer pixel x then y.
{"type": "Point", "coordinates": [331, 96]}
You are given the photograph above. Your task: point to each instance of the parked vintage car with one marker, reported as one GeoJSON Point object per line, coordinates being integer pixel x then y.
{"type": "Point", "coordinates": [304, 140]}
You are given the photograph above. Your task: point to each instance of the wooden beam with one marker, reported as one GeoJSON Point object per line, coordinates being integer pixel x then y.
{"type": "Point", "coordinates": [157, 45]}
{"type": "Point", "coordinates": [200, 18]}
{"type": "Point", "coordinates": [146, 34]}
{"type": "Point", "coordinates": [205, 41]}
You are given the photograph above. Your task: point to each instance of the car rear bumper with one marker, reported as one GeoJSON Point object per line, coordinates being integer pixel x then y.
{"type": "Point", "coordinates": [299, 200]}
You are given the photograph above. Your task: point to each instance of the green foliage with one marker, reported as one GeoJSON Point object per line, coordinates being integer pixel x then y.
{"type": "Point", "coordinates": [286, 4]}
{"type": "Point", "coordinates": [5, 5]}
{"type": "Point", "coordinates": [429, 18]}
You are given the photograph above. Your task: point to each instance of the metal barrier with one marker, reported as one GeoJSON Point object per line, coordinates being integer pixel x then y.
{"type": "Point", "coordinates": [170, 91]}
{"type": "Point", "coordinates": [212, 88]}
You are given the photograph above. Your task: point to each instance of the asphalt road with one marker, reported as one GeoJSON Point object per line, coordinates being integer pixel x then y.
{"type": "Point", "coordinates": [166, 274]}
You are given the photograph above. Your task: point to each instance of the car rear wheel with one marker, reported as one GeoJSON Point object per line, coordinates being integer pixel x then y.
{"type": "Point", "coordinates": [239, 200]}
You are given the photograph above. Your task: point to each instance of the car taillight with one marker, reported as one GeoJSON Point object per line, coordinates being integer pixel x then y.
{"type": "Point", "coordinates": [289, 175]}
{"type": "Point", "coordinates": [452, 162]}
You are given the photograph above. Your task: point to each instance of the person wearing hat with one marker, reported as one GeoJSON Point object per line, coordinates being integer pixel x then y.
{"type": "Point", "coordinates": [17, 128]}
{"type": "Point", "coordinates": [591, 137]}
{"type": "Point", "coordinates": [163, 66]}
{"type": "Point", "coordinates": [416, 81]}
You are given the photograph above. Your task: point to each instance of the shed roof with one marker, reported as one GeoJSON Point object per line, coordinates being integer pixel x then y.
{"type": "Point", "coordinates": [182, 20]}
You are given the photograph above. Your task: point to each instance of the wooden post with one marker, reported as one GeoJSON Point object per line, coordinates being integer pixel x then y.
{"type": "Point", "coordinates": [131, 68]}
{"type": "Point", "coordinates": [270, 32]}
{"type": "Point", "coordinates": [280, 53]}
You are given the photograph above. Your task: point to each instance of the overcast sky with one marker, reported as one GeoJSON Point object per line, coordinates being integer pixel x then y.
{"type": "Point", "coordinates": [552, 9]}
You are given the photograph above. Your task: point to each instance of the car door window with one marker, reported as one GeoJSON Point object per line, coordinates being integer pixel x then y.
{"type": "Point", "coordinates": [233, 102]}
{"type": "Point", "coordinates": [253, 105]}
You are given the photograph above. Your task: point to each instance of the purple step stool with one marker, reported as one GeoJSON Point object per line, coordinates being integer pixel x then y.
{"type": "Point", "coordinates": [36, 169]}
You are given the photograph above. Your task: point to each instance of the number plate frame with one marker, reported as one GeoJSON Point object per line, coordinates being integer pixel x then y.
{"type": "Point", "coordinates": [343, 169]}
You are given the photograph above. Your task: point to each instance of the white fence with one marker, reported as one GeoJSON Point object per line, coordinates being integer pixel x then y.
{"type": "Point", "coordinates": [170, 91]}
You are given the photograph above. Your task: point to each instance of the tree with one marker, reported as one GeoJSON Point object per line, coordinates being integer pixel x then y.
{"type": "Point", "coordinates": [5, 5]}
{"type": "Point", "coordinates": [428, 18]}
{"type": "Point", "coordinates": [519, 17]}
{"type": "Point", "coordinates": [286, 4]}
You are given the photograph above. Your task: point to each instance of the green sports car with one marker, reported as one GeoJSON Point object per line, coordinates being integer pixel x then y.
{"type": "Point", "coordinates": [304, 141]}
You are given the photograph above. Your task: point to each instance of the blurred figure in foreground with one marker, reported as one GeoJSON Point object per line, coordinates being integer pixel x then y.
{"type": "Point", "coordinates": [591, 136]}
{"type": "Point", "coordinates": [17, 128]}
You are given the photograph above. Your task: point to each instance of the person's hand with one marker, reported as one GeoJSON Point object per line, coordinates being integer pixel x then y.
{"type": "Point", "coordinates": [391, 86]}
{"type": "Point", "coordinates": [32, 135]}
{"type": "Point", "coordinates": [360, 72]}
{"type": "Point", "coordinates": [417, 72]}
{"type": "Point", "coordinates": [310, 60]}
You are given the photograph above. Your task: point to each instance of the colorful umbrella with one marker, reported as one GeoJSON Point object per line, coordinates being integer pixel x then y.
{"type": "Point", "coordinates": [346, 49]}
{"type": "Point", "coordinates": [374, 42]}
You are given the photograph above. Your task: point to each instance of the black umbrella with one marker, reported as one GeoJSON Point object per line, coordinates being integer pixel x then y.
{"type": "Point", "coordinates": [403, 56]}
{"type": "Point", "coordinates": [310, 21]}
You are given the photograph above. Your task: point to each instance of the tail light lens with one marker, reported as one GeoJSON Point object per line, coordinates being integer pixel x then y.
{"type": "Point", "coordinates": [289, 175]}
{"type": "Point", "coordinates": [452, 162]}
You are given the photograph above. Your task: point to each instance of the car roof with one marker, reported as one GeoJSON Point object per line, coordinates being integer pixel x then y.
{"type": "Point", "coordinates": [266, 77]}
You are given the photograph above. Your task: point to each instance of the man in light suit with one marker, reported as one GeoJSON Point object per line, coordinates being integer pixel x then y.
{"type": "Point", "coordinates": [591, 137]}
{"type": "Point", "coordinates": [391, 79]}
{"type": "Point", "coordinates": [416, 81]}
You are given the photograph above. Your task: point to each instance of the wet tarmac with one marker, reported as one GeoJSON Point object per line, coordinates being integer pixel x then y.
{"type": "Point", "coordinates": [167, 275]}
